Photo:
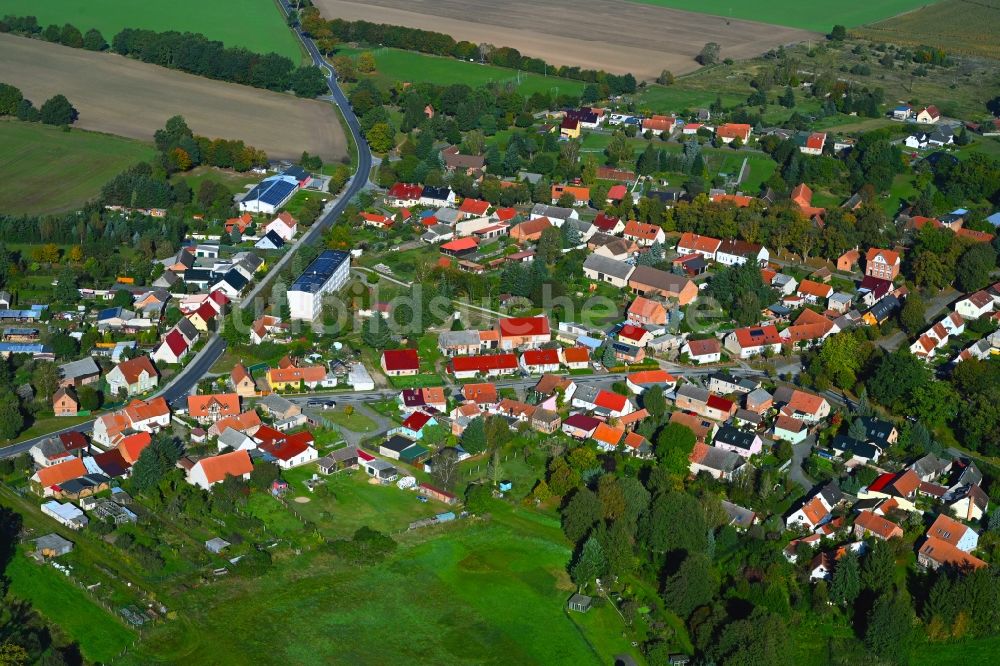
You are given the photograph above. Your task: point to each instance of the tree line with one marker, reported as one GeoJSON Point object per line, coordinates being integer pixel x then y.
{"type": "Point", "coordinates": [57, 110]}
{"type": "Point", "coordinates": [188, 52]}
{"type": "Point", "coordinates": [329, 33]}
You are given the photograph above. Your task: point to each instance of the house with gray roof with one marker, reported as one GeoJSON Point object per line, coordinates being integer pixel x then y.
{"type": "Point", "coordinates": [79, 373]}
{"type": "Point", "coordinates": [605, 269]}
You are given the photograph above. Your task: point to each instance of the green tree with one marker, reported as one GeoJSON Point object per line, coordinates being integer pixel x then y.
{"type": "Point", "coordinates": [857, 430]}
{"type": "Point", "coordinates": [550, 245]}
{"type": "Point", "coordinates": [846, 584]}
{"type": "Point", "coordinates": [70, 36]}
{"type": "Point", "coordinates": [381, 137]}
{"type": "Point", "coordinates": [478, 498]}
{"type": "Point", "coordinates": [155, 461]}
{"type": "Point", "coordinates": [890, 628]}
{"type": "Point", "coordinates": [787, 98]}
{"type": "Point", "coordinates": [838, 33]}
{"type": "Point", "coordinates": [90, 399]}
{"type": "Point", "coordinates": [709, 54]}
{"type": "Point", "coordinates": [474, 436]}
{"type": "Point", "coordinates": [375, 331]}
{"type": "Point", "coordinates": [580, 514]}
{"type": "Point", "coordinates": [11, 417]}
{"type": "Point", "coordinates": [66, 291]}
{"type": "Point", "coordinates": [654, 402]}
{"type": "Point", "coordinates": [93, 40]}
{"type": "Point", "coordinates": [913, 313]}
{"type": "Point", "coordinates": [878, 568]}
{"type": "Point", "coordinates": [590, 564]}
{"type": "Point", "coordinates": [674, 444]}
{"type": "Point", "coordinates": [58, 111]}
{"type": "Point", "coordinates": [974, 267]}
{"type": "Point", "coordinates": [309, 82]}
{"type": "Point", "coordinates": [10, 98]}
{"type": "Point", "coordinates": [675, 521]}
{"type": "Point", "coordinates": [45, 379]}
{"type": "Point", "coordinates": [693, 585]}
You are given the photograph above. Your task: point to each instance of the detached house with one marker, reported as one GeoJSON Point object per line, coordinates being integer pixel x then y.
{"type": "Point", "coordinates": [604, 269]}
{"type": "Point", "coordinates": [643, 234]}
{"type": "Point", "coordinates": [400, 362]}
{"type": "Point", "coordinates": [523, 332]}
{"type": "Point", "coordinates": [649, 281]}
{"type": "Point", "coordinates": [133, 377]}
{"type": "Point", "coordinates": [214, 469]}
{"type": "Point", "coordinates": [644, 311]}
{"type": "Point", "coordinates": [882, 264]}
{"type": "Point", "coordinates": [733, 252]}
{"type": "Point", "coordinates": [704, 351]}
{"type": "Point", "coordinates": [706, 246]}
{"type": "Point", "coordinates": [208, 409]}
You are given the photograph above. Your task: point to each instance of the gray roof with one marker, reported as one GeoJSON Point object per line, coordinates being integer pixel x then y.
{"type": "Point", "coordinates": [346, 453]}
{"type": "Point", "coordinates": [654, 277]}
{"type": "Point", "coordinates": [232, 438]}
{"type": "Point", "coordinates": [550, 212]}
{"type": "Point", "coordinates": [720, 459]}
{"type": "Point", "coordinates": [458, 339]}
{"type": "Point", "coordinates": [53, 542]}
{"type": "Point", "coordinates": [186, 328]}
{"type": "Point", "coordinates": [447, 215]}
{"type": "Point", "coordinates": [608, 266]}
{"type": "Point", "coordinates": [693, 392]}
{"type": "Point", "coordinates": [758, 395]}
{"type": "Point", "coordinates": [82, 368]}
{"type": "Point", "coordinates": [586, 393]}
{"type": "Point", "coordinates": [275, 403]}
{"type": "Point", "coordinates": [738, 516]}
{"type": "Point", "coordinates": [735, 437]}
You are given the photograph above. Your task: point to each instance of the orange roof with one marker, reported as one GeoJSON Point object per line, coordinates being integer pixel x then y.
{"type": "Point", "coordinates": [943, 552]}
{"type": "Point", "coordinates": [816, 140]}
{"type": "Point", "coordinates": [480, 393]}
{"type": "Point", "coordinates": [802, 194]}
{"type": "Point", "coordinates": [530, 227]}
{"type": "Point", "coordinates": [757, 336]}
{"type": "Point", "coordinates": [767, 275]}
{"type": "Point", "coordinates": [576, 354]}
{"type": "Point", "coordinates": [133, 367]}
{"type": "Point", "coordinates": [733, 131]}
{"type": "Point", "coordinates": [227, 404]}
{"type": "Point", "coordinates": [61, 472]}
{"type": "Point", "coordinates": [805, 403]}
{"type": "Point", "coordinates": [651, 377]}
{"type": "Point", "coordinates": [239, 373]}
{"type": "Point", "coordinates": [641, 230]}
{"type": "Point", "coordinates": [659, 123]}
{"type": "Point", "coordinates": [313, 373]}
{"type": "Point", "coordinates": [242, 423]}
{"type": "Point", "coordinates": [608, 435]}
{"type": "Point", "coordinates": [647, 308]}
{"type": "Point", "coordinates": [139, 410]}
{"type": "Point", "coordinates": [815, 510]}
{"type": "Point", "coordinates": [633, 417]}
{"type": "Point", "coordinates": [890, 257]}
{"type": "Point", "coordinates": [972, 234]}
{"type": "Point", "coordinates": [817, 289]}
{"type": "Point", "coordinates": [906, 483]}
{"type": "Point", "coordinates": [878, 525]}
{"type": "Point", "coordinates": [739, 200]}
{"type": "Point", "coordinates": [579, 193]}
{"type": "Point", "coordinates": [474, 206]}
{"type": "Point", "coordinates": [460, 244]}
{"type": "Point", "coordinates": [235, 463]}
{"type": "Point", "coordinates": [634, 440]}
{"type": "Point", "coordinates": [947, 529]}
{"type": "Point", "coordinates": [433, 394]}
{"type": "Point", "coordinates": [690, 241]}
{"type": "Point", "coordinates": [132, 446]}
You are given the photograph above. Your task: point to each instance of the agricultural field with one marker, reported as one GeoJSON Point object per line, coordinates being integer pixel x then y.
{"type": "Point", "coordinates": [48, 170]}
{"type": "Point", "coordinates": [394, 65]}
{"type": "Point", "coordinates": [958, 26]}
{"type": "Point", "coordinates": [485, 588]}
{"type": "Point", "coordinates": [617, 36]}
{"type": "Point", "coordinates": [133, 99]}
{"type": "Point", "coordinates": [255, 24]}
{"type": "Point", "coordinates": [815, 16]}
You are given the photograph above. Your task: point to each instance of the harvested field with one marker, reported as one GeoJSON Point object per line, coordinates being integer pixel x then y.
{"type": "Point", "coordinates": [133, 99]}
{"type": "Point", "coordinates": [969, 27]}
{"type": "Point", "coordinates": [617, 36]}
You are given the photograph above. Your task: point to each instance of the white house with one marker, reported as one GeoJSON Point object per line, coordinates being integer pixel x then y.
{"type": "Point", "coordinates": [326, 274]}
{"type": "Point", "coordinates": [212, 470]}
{"type": "Point", "coordinates": [975, 305]}
{"type": "Point", "coordinates": [284, 225]}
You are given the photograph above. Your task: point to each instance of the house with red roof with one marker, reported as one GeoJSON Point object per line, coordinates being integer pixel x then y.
{"type": "Point", "coordinates": [706, 246]}
{"type": "Point", "coordinates": [882, 264]}
{"type": "Point", "coordinates": [288, 450]}
{"type": "Point", "coordinates": [928, 115]}
{"type": "Point", "coordinates": [638, 382]}
{"type": "Point", "coordinates": [376, 220]}
{"type": "Point", "coordinates": [608, 224]}
{"type": "Point", "coordinates": [814, 292]}
{"type": "Point", "coordinates": [576, 358]}
{"type": "Point", "coordinates": [753, 341]}
{"type": "Point", "coordinates": [133, 376]}
{"type": "Point", "coordinates": [481, 394]}
{"type": "Point", "coordinates": [520, 332]}
{"type": "Point", "coordinates": [413, 426]}
{"type": "Point", "coordinates": [404, 195]}
{"type": "Point", "coordinates": [211, 408]}
{"type": "Point", "coordinates": [729, 132]}
{"type": "Point", "coordinates": [581, 195]}
{"type": "Point", "coordinates": [460, 247]}
{"type": "Point", "coordinates": [580, 426]}
{"type": "Point", "coordinates": [802, 405]}
{"type": "Point", "coordinates": [869, 523]}
{"type": "Point", "coordinates": [530, 231]}
{"type": "Point", "coordinates": [473, 207]}
{"type": "Point", "coordinates": [801, 196]}
{"type": "Point", "coordinates": [204, 315]}
{"type": "Point", "coordinates": [400, 362]}
{"type": "Point", "coordinates": [616, 194]}
{"type": "Point", "coordinates": [214, 469]}
{"type": "Point", "coordinates": [645, 311]}
{"type": "Point", "coordinates": [634, 335]}
{"type": "Point", "coordinates": [538, 361]}
{"type": "Point", "coordinates": [657, 125]}
{"type": "Point", "coordinates": [812, 144]}
{"type": "Point", "coordinates": [284, 225]}
{"type": "Point", "coordinates": [643, 234]}
{"type": "Point", "coordinates": [487, 365]}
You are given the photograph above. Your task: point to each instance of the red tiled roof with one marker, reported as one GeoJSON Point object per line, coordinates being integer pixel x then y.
{"type": "Point", "coordinates": [395, 360]}
{"type": "Point", "coordinates": [734, 130]}
{"type": "Point", "coordinates": [608, 435]}
{"type": "Point", "coordinates": [943, 552]}
{"type": "Point", "coordinates": [878, 525]}
{"type": "Point", "coordinates": [480, 393]}
{"type": "Point", "coordinates": [228, 404]}
{"type": "Point", "coordinates": [461, 244]}
{"type": "Point", "coordinates": [641, 230]}
{"type": "Point", "coordinates": [484, 363]}
{"type": "Point", "coordinates": [651, 377]}
{"type": "Point", "coordinates": [605, 222]}
{"type": "Point", "coordinates": [582, 422]}
{"type": "Point", "coordinates": [288, 446]}
{"type": "Point", "coordinates": [720, 403]}
{"type": "Point", "coordinates": [608, 400]}
{"type": "Point", "coordinates": [474, 206]}
{"type": "Point", "coordinates": [133, 367]}
{"type": "Point", "coordinates": [576, 355]}
{"type": "Point", "coordinates": [631, 332]}
{"type": "Point", "coordinates": [696, 242]}
{"type": "Point", "coordinates": [757, 336]}
{"type": "Point", "coordinates": [947, 529]}
{"type": "Point", "coordinates": [175, 342]}
{"type": "Point", "coordinates": [524, 326]}
{"type": "Point", "coordinates": [405, 191]}
{"type": "Point", "coordinates": [61, 472]}
{"type": "Point", "coordinates": [235, 463]}
{"type": "Point", "coordinates": [541, 357]}
{"type": "Point", "coordinates": [704, 347]}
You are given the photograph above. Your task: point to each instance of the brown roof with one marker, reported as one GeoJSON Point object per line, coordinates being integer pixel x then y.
{"type": "Point", "coordinates": [648, 276]}
{"type": "Point", "coordinates": [943, 552]}
{"type": "Point", "coordinates": [704, 347]}
{"type": "Point", "coordinates": [480, 393]}
{"type": "Point", "coordinates": [906, 483]}
{"type": "Point", "coordinates": [531, 227]}
{"type": "Point", "coordinates": [548, 384]}
{"type": "Point", "coordinates": [947, 529]}
{"type": "Point", "coordinates": [878, 525]}
{"type": "Point", "coordinates": [133, 367]}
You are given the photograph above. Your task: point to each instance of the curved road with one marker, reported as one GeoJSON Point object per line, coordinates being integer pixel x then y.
{"type": "Point", "coordinates": [191, 374]}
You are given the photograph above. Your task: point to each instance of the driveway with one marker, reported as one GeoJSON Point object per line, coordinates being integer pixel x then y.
{"type": "Point", "coordinates": [800, 452]}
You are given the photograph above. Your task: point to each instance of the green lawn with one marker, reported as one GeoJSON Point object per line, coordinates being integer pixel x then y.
{"type": "Point", "coordinates": [398, 65]}
{"type": "Point", "coordinates": [473, 592]}
{"type": "Point", "coordinates": [47, 170]}
{"type": "Point", "coordinates": [355, 422]}
{"type": "Point", "coordinates": [255, 24]}
{"type": "Point", "coordinates": [679, 98]}
{"type": "Point", "coordinates": [100, 635]}
{"type": "Point", "coordinates": [417, 381]}
{"type": "Point", "coordinates": [808, 16]}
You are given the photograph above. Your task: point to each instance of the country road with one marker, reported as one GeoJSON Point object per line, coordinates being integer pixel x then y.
{"type": "Point", "coordinates": [187, 379]}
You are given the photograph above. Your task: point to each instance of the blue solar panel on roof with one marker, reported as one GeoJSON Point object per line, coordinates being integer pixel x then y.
{"type": "Point", "coordinates": [320, 270]}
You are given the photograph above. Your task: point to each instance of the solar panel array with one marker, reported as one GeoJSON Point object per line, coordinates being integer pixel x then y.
{"type": "Point", "coordinates": [320, 270]}
{"type": "Point", "coordinates": [272, 191]}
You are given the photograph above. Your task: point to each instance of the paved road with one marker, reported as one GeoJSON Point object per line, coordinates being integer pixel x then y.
{"type": "Point", "coordinates": [933, 309]}
{"type": "Point", "coordinates": [185, 381]}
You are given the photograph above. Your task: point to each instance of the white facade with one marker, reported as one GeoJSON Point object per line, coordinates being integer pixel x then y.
{"type": "Point", "coordinates": [328, 273]}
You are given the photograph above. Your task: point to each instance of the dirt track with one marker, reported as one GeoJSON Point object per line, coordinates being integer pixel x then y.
{"type": "Point", "coordinates": [614, 35]}
{"type": "Point", "coordinates": [130, 98]}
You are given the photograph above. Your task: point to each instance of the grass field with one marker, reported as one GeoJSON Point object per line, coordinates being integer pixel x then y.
{"type": "Point", "coordinates": [47, 170]}
{"type": "Point", "coordinates": [805, 15]}
{"type": "Point", "coordinates": [100, 637]}
{"type": "Point", "coordinates": [957, 26]}
{"type": "Point", "coordinates": [479, 592]}
{"type": "Point", "coordinates": [133, 99]}
{"type": "Point", "coordinates": [255, 24]}
{"type": "Point", "coordinates": [409, 66]}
